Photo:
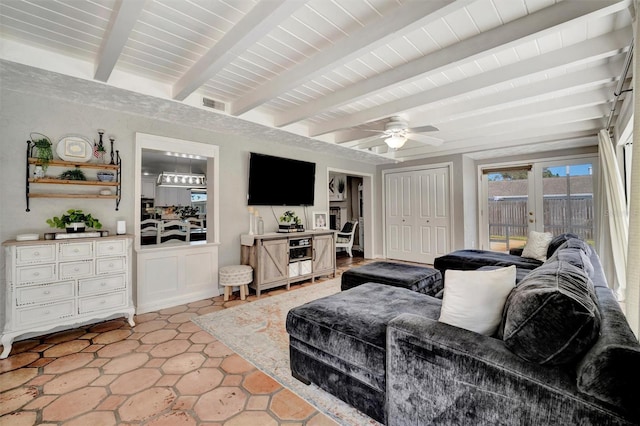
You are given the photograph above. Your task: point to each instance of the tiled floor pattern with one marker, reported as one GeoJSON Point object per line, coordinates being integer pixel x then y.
{"type": "Point", "coordinates": [163, 371]}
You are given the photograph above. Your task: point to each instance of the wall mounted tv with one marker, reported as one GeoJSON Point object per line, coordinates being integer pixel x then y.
{"type": "Point", "coordinates": [277, 181]}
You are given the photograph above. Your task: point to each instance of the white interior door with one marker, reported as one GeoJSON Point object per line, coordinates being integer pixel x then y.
{"type": "Point", "coordinates": [417, 213]}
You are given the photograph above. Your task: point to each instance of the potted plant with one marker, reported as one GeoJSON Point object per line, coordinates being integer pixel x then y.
{"type": "Point", "coordinates": [43, 146]}
{"type": "Point", "coordinates": [341, 188]}
{"type": "Point", "coordinates": [290, 219]}
{"type": "Point", "coordinates": [74, 221]}
{"type": "Point", "coordinates": [73, 174]}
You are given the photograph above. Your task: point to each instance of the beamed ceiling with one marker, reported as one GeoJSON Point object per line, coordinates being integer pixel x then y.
{"type": "Point", "coordinates": [503, 76]}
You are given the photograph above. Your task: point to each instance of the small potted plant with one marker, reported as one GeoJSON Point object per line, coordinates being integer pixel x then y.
{"type": "Point", "coordinates": [43, 145]}
{"type": "Point", "coordinates": [73, 174]}
{"type": "Point", "coordinates": [289, 219]}
{"type": "Point", "coordinates": [74, 221]}
{"type": "Point", "coordinates": [341, 188]}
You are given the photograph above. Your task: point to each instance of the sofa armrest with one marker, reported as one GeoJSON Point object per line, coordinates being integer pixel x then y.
{"type": "Point", "coordinates": [441, 374]}
{"type": "Point", "coordinates": [516, 251]}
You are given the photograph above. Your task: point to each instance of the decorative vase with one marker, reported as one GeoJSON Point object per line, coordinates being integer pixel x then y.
{"type": "Point", "coordinates": [75, 227]}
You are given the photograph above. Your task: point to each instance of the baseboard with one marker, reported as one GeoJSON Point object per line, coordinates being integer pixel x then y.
{"type": "Point", "coordinates": [175, 301]}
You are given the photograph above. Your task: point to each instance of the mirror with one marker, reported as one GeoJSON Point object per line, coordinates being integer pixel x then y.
{"type": "Point", "coordinates": [173, 188]}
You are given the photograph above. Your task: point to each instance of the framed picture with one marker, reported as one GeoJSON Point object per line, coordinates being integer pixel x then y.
{"type": "Point", "coordinates": [320, 220]}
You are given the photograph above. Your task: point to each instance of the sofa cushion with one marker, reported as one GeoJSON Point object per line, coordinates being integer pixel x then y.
{"type": "Point", "coordinates": [557, 241]}
{"type": "Point", "coordinates": [574, 256]}
{"type": "Point", "coordinates": [474, 300]}
{"type": "Point", "coordinates": [349, 328]}
{"type": "Point", "coordinates": [537, 244]}
{"type": "Point", "coordinates": [551, 317]}
{"type": "Point", "coordinates": [466, 260]}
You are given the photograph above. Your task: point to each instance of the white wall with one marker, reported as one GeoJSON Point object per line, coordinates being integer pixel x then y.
{"type": "Point", "coordinates": [22, 114]}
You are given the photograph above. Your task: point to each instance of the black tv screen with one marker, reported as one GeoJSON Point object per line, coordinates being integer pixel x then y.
{"type": "Point", "coordinates": [277, 181]}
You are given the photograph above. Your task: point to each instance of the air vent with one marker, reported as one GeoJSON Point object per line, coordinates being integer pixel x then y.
{"type": "Point", "coordinates": [210, 103]}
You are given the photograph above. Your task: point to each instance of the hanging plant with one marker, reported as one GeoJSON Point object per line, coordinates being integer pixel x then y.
{"type": "Point", "coordinates": [43, 146]}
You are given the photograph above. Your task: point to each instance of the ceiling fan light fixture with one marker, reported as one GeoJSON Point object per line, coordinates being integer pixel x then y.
{"type": "Point", "coordinates": [395, 141]}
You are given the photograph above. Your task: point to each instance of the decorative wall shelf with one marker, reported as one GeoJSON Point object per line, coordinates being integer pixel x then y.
{"type": "Point", "coordinates": [33, 161]}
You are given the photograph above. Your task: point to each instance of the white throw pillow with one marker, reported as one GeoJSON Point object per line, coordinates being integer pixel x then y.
{"type": "Point", "coordinates": [474, 300]}
{"type": "Point", "coordinates": [537, 245]}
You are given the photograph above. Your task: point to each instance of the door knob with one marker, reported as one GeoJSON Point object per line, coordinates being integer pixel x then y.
{"type": "Point", "coordinates": [530, 220]}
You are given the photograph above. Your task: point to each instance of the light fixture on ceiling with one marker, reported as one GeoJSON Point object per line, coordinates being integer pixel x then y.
{"type": "Point", "coordinates": [182, 180]}
{"type": "Point", "coordinates": [395, 141]}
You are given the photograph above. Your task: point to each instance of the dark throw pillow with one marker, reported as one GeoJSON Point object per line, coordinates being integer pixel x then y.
{"type": "Point", "coordinates": [551, 317]}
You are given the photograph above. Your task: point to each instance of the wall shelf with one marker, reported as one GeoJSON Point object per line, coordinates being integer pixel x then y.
{"type": "Point", "coordinates": [48, 181]}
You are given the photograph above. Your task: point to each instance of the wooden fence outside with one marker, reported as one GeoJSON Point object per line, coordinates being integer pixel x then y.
{"type": "Point", "coordinates": [509, 218]}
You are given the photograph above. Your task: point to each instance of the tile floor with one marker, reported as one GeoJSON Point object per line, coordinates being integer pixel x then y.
{"type": "Point", "coordinates": [163, 371]}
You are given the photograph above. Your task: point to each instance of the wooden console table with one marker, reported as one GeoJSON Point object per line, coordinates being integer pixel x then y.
{"type": "Point", "coordinates": [279, 259]}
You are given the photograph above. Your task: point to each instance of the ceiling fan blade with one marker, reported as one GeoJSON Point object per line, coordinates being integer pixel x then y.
{"type": "Point", "coordinates": [429, 140]}
{"type": "Point", "coordinates": [423, 129]}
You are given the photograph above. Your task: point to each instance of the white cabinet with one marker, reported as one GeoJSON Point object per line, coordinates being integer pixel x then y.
{"type": "Point", "coordinates": [148, 187]}
{"type": "Point", "coordinates": [172, 196]}
{"type": "Point", "coordinates": [57, 284]}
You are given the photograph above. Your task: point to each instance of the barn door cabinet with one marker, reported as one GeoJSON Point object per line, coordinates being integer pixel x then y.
{"type": "Point", "coordinates": [279, 259]}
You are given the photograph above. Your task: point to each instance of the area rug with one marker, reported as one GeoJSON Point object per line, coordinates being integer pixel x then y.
{"type": "Point", "coordinates": [256, 332]}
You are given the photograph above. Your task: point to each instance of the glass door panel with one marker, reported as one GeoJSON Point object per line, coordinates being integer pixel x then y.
{"type": "Point", "coordinates": [567, 200]}
{"type": "Point", "coordinates": [508, 211]}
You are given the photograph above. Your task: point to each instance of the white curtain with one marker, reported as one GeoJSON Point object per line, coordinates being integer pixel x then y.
{"type": "Point", "coordinates": [614, 225]}
{"type": "Point", "coordinates": [633, 268]}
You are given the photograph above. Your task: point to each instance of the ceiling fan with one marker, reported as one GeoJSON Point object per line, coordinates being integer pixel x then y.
{"type": "Point", "coordinates": [397, 131]}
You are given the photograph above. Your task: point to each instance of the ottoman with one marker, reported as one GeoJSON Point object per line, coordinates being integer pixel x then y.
{"type": "Point", "coordinates": [417, 278]}
{"type": "Point", "coordinates": [338, 342]}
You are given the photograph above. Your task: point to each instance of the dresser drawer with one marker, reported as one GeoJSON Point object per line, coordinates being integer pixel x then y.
{"type": "Point", "coordinates": [101, 285]}
{"type": "Point", "coordinates": [45, 313]}
{"type": "Point", "coordinates": [76, 251]}
{"type": "Point", "coordinates": [111, 248]}
{"type": "Point", "coordinates": [99, 303]}
{"type": "Point", "coordinates": [76, 269]}
{"type": "Point", "coordinates": [36, 273]}
{"type": "Point", "coordinates": [29, 295]}
{"type": "Point", "coordinates": [35, 254]}
{"type": "Point", "coordinates": [110, 265]}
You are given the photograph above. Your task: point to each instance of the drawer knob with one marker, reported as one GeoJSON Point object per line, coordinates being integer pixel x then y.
{"type": "Point", "coordinates": [76, 269]}
{"type": "Point", "coordinates": [110, 247]}
{"type": "Point", "coordinates": [102, 302]}
{"type": "Point", "coordinates": [35, 274]}
{"type": "Point", "coordinates": [47, 312]}
{"type": "Point", "coordinates": [76, 250]}
{"type": "Point", "coordinates": [36, 253]}
{"type": "Point", "coordinates": [103, 284]}
{"type": "Point", "coordinates": [111, 265]}
{"type": "Point", "coordinates": [46, 292]}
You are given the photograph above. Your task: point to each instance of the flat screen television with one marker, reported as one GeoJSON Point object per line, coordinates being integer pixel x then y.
{"type": "Point", "coordinates": [277, 181]}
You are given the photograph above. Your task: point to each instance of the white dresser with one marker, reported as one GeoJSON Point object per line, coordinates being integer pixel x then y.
{"type": "Point", "coordinates": [53, 284]}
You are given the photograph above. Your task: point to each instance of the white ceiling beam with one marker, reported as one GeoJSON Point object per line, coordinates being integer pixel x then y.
{"type": "Point", "coordinates": [123, 18]}
{"type": "Point", "coordinates": [254, 25]}
{"type": "Point", "coordinates": [407, 17]}
{"type": "Point", "coordinates": [531, 111]}
{"type": "Point", "coordinates": [521, 30]}
{"type": "Point", "coordinates": [587, 51]}
{"type": "Point", "coordinates": [521, 146]}
{"type": "Point", "coordinates": [515, 137]}
{"type": "Point", "coordinates": [578, 80]}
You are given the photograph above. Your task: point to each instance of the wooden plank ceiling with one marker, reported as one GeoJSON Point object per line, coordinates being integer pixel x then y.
{"type": "Point", "coordinates": [488, 74]}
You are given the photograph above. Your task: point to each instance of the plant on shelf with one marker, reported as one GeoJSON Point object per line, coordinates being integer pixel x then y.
{"type": "Point", "coordinates": [186, 211]}
{"type": "Point", "coordinates": [341, 186]}
{"type": "Point", "coordinates": [73, 174]}
{"type": "Point", "coordinates": [290, 218]}
{"type": "Point", "coordinates": [74, 221]}
{"type": "Point", "coordinates": [43, 145]}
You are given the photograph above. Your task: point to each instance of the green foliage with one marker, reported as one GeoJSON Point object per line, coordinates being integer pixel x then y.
{"type": "Point", "coordinates": [290, 217]}
{"type": "Point", "coordinates": [186, 211]}
{"type": "Point", "coordinates": [74, 216]}
{"type": "Point", "coordinates": [73, 174]}
{"type": "Point", "coordinates": [520, 175]}
{"type": "Point", "coordinates": [45, 154]}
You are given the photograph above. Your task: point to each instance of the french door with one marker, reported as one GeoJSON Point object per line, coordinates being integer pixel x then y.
{"type": "Point", "coordinates": [417, 214]}
{"type": "Point", "coordinates": [551, 196]}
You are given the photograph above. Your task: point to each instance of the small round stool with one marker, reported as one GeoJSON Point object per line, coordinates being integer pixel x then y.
{"type": "Point", "coordinates": [233, 275]}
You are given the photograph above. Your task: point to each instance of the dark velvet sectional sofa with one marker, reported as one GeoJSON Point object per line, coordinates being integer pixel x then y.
{"type": "Point", "coordinates": [381, 349]}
